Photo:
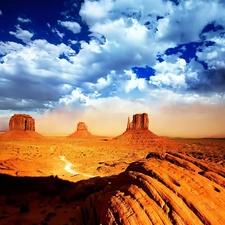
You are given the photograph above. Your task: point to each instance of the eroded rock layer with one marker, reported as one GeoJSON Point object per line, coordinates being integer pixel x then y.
{"type": "Point", "coordinates": [161, 189]}
{"type": "Point", "coordinates": [21, 122]}
{"type": "Point", "coordinates": [140, 121]}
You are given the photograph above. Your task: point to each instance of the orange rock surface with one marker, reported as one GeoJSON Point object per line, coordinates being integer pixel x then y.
{"type": "Point", "coordinates": [21, 122]}
{"type": "Point", "coordinates": [162, 189]}
{"type": "Point", "coordinates": [21, 127]}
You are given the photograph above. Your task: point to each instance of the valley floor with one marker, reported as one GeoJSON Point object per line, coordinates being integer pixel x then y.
{"type": "Point", "coordinates": [80, 159]}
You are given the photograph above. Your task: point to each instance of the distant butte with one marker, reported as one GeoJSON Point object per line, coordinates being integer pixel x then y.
{"type": "Point", "coordinates": [21, 122]}
{"type": "Point", "coordinates": [81, 132]}
{"type": "Point", "coordinates": [140, 122]}
{"type": "Point", "coordinates": [21, 127]}
{"type": "Point", "coordinates": [138, 134]}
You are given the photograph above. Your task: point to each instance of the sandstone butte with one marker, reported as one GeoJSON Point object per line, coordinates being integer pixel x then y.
{"type": "Point", "coordinates": [21, 127]}
{"type": "Point", "coordinates": [138, 134]}
{"type": "Point", "coordinates": [81, 132]}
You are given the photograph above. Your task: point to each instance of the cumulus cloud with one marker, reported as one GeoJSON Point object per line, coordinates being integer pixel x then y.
{"type": "Point", "coordinates": [176, 27]}
{"type": "Point", "coordinates": [36, 66]}
{"type": "Point", "coordinates": [170, 75]}
{"type": "Point", "coordinates": [72, 26]}
{"type": "Point", "coordinates": [21, 34]}
{"type": "Point", "coordinates": [95, 11]}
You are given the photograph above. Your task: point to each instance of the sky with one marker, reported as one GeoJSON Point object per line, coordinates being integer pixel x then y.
{"type": "Point", "coordinates": [101, 61]}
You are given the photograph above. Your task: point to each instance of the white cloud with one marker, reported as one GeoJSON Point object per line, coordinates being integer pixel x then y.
{"type": "Point", "coordinates": [61, 35]}
{"type": "Point", "coordinates": [35, 65]}
{"type": "Point", "coordinates": [177, 27]}
{"type": "Point", "coordinates": [22, 20]}
{"type": "Point", "coordinates": [134, 82]}
{"type": "Point", "coordinates": [7, 47]}
{"type": "Point", "coordinates": [170, 74]}
{"type": "Point", "coordinates": [95, 11]}
{"type": "Point", "coordinates": [98, 79]}
{"type": "Point", "coordinates": [72, 26]}
{"type": "Point", "coordinates": [214, 55]}
{"type": "Point", "coordinates": [21, 34]}
{"type": "Point", "coordinates": [72, 42]}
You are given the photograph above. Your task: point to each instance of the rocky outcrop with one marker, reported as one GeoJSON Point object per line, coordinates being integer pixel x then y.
{"type": "Point", "coordinates": [165, 188]}
{"type": "Point", "coordinates": [162, 189]}
{"type": "Point", "coordinates": [138, 134]}
{"type": "Point", "coordinates": [21, 127]}
{"type": "Point", "coordinates": [21, 122]}
{"type": "Point", "coordinates": [82, 126]}
{"type": "Point", "coordinates": [81, 132]}
{"type": "Point", "coordinates": [140, 121]}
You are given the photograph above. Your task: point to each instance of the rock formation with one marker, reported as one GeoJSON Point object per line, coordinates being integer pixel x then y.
{"type": "Point", "coordinates": [138, 134]}
{"type": "Point", "coordinates": [81, 132]}
{"type": "Point", "coordinates": [162, 189]}
{"type": "Point", "coordinates": [140, 121]}
{"type": "Point", "coordinates": [82, 126]}
{"type": "Point", "coordinates": [21, 127]}
{"type": "Point", "coordinates": [21, 122]}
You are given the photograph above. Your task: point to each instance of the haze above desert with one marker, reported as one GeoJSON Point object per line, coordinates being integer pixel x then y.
{"type": "Point", "coordinates": [203, 123]}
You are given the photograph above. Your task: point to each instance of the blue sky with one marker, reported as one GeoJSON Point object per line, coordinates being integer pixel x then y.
{"type": "Point", "coordinates": [101, 61]}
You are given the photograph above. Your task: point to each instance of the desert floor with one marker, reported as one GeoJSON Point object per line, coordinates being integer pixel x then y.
{"type": "Point", "coordinates": [75, 160]}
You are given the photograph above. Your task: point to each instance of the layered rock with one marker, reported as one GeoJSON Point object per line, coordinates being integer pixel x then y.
{"type": "Point", "coordinates": [161, 189]}
{"type": "Point", "coordinates": [167, 188]}
{"type": "Point", "coordinates": [21, 127]}
{"type": "Point", "coordinates": [81, 132]}
{"type": "Point", "coordinates": [21, 122]}
{"type": "Point", "coordinates": [138, 134]}
{"type": "Point", "coordinates": [140, 121]}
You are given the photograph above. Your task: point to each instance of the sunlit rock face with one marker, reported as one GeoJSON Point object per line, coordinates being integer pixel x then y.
{"type": "Point", "coordinates": [81, 132]}
{"type": "Point", "coordinates": [21, 122]}
{"type": "Point", "coordinates": [21, 127]}
{"type": "Point", "coordinates": [168, 188]}
{"type": "Point", "coordinates": [140, 121]}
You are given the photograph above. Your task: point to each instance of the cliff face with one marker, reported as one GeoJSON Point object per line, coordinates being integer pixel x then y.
{"type": "Point", "coordinates": [140, 121]}
{"type": "Point", "coordinates": [21, 122]}
{"type": "Point", "coordinates": [21, 127]}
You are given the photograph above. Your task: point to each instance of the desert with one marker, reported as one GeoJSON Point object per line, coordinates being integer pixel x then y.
{"type": "Point", "coordinates": [134, 178]}
{"type": "Point", "coordinates": [112, 112]}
